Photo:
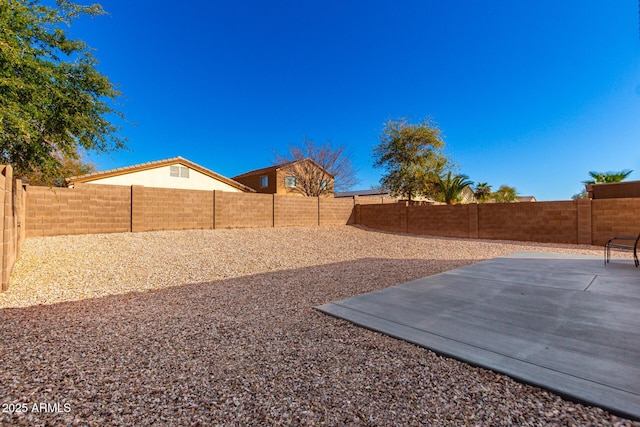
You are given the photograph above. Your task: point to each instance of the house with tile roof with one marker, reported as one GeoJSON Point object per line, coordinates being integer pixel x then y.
{"type": "Point", "coordinates": [381, 193]}
{"type": "Point", "coordinates": [374, 192]}
{"type": "Point", "coordinates": [176, 172]}
{"type": "Point", "coordinates": [525, 199]}
{"type": "Point", "coordinates": [289, 178]}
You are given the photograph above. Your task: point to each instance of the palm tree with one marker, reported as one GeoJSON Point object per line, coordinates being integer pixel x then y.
{"type": "Point", "coordinates": [451, 186]}
{"type": "Point", "coordinates": [482, 191]}
{"type": "Point", "coordinates": [603, 177]}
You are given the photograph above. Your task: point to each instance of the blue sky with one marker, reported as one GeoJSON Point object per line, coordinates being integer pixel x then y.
{"type": "Point", "coordinates": [528, 94]}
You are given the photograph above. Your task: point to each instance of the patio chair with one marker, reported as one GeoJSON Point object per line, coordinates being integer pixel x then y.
{"type": "Point", "coordinates": [618, 243]}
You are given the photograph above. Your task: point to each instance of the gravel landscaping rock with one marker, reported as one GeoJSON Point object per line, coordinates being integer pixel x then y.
{"type": "Point", "coordinates": [217, 327]}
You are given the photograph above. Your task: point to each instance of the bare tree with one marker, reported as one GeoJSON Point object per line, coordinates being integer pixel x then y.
{"type": "Point", "coordinates": [318, 169]}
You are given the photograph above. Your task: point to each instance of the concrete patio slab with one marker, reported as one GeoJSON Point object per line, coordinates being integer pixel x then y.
{"type": "Point", "coordinates": [565, 323]}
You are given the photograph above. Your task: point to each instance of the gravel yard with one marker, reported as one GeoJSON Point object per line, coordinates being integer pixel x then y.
{"type": "Point", "coordinates": [217, 327]}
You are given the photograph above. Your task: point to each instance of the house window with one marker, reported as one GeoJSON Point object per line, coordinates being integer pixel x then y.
{"type": "Point", "coordinates": [290, 181]}
{"type": "Point", "coordinates": [324, 184]}
{"type": "Point", "coordinates": [179, 171]}
{"type": "Point", "coordinates": [264, 181]}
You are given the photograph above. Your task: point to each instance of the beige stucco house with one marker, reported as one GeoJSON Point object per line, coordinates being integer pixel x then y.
{"type": "Point", "coordinates": [176, 172]}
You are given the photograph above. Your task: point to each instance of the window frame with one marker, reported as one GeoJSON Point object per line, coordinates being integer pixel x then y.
{"type": "Point", "coordinates": [288, 179]}
{"type": "Point", "coordinates": [178, 171]}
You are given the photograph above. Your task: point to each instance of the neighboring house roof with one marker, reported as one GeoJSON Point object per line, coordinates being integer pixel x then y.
{"type": "Point", "coordinates": [375, 192]}
{"type": "Point", "coordinates": [258, 172]}
{"type": "Point", "coordinates": [380, 193]}
{"type": "Point", "coordinates": [155, 164]}
{"type": "Point", "coordinates": [526, 199]}
{"type": "Point", "coordinates": [467, 194]}
{"type": "Point", "coordinates": [275, 168]}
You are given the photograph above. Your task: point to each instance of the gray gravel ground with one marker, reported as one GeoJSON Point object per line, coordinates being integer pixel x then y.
{"type": "Point", "coordinates": [217, 327]}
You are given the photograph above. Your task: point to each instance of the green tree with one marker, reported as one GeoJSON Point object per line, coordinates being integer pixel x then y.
{"type": "Point", "coordinates": [53, 101]}
{"type": "Point", "coordinates": [482, 192]}
{"type": "Point", "coordinates": [604, 177]}
{"type": "Point", "coordinates": [451, 186]}
{"type": "Point", "coordinates": [411, 157]}
{"type": "Point", "coordinates": [69, 166]}
{"type": "Point", "coordinates": [581, 195]}
{"type": "Point", "coordinates": [505, 194]}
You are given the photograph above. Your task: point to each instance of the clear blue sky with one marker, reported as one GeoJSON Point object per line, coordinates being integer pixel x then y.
{"type": "Point", "coordinates": [529, 94]}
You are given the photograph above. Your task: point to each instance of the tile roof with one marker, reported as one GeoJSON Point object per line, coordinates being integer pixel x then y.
{"type": "Point", "coordinates": [374, 192]}
{"type": "Point", "coordinates": [260, 171]}
{"type": "Point", "coordinates": [155, 164]}
{"type": "Point", "coordinates": [277, 167]}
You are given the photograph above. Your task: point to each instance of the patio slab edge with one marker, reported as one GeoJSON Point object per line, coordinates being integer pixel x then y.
{"type": "Point", "coordinates": [574, 388]}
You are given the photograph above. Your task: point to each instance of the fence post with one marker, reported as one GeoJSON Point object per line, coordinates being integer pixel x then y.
{"type": "Point", "coordinates": [213, 207]}
{"type": "Point", "coordinates": [404, 218]}
{"type": "Point", "coordinates": [3, 248]}
{"type": "Point", "coordinates": [218, 203]}
{"type": "Point", "coordinates": [8, 229]}
{"type": "Point", "coordinates": [273, 210]}
{"type": "Point", "coordinates": [583, 211]}
{"type": "Point", "coordinates": [473, 221]}
{"type": "Point", "coordinates": [19, 211]}
{"type": "Point", "coordinates": [138, 214]}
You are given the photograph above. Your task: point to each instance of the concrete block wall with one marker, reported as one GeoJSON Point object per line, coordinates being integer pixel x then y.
{"type": "Point", "coordinates": [86, 209]}
{"type": "Point", "coordinates": [614, 217]}
{"type": "Point", "coordinates": [243, 210]}
{"type": "Point", "coordinates": [106, 209]}
{"type": "Point", "coordinates": [614, 190]}
{"type": "Point", "coordinates": [473, 221]}
{"type": "Point", "coordinates": [8, 234]}
{"type": "Point", "coordinates": [336, 211]}
{"type": "Point", "coordinates": [441, 220]}
{"type": "Point", "coordinates": [391, 217]}
{"type": "Point", "coordinates": [574, 222]}
{"type": "Point", "coordinates": [93, 208]}
{"type": "Point", "coordinates": [584, 223]}
{"type": "Point", "coordinates": [538, 222]}
{"type": "Point", "coordinates": [13, 232]}
{"type": "Point", "coordinates": [19, 216]}
{"type": "Point", "coordinates": [291, 211]}
{"type": "Point", "coordinates": [166, 209]}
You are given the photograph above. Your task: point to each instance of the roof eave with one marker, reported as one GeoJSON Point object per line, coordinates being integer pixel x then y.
{"type": "Point", "coordinates": [155, 164]}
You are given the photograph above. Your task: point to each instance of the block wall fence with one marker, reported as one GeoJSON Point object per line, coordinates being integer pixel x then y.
{"type": "Point", "coordinates": [590, 222]}
{"type": "Point", "coordinates": [89, 208]}
{"type": "Point", "coordinates": [30, 211]}
{"type": "Point", "coordinates": [92, 208]}
{"type": "Point", "coordinates": [12, 206]}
